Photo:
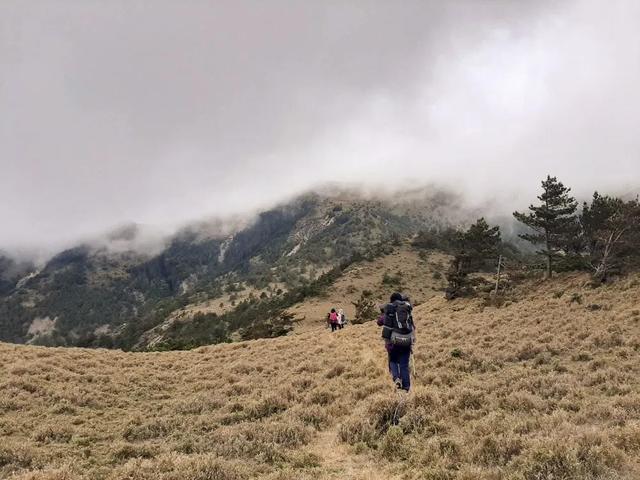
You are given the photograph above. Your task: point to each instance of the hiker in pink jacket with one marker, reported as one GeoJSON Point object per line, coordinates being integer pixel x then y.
{"type": "Point", "coordinates": [333, 320]}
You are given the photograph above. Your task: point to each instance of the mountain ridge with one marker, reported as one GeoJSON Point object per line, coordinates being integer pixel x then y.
{"type": "Point", "coordinates": [110, 295]}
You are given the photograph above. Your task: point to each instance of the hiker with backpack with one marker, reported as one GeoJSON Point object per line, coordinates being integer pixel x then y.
{"type": "Point", "coordinates": [341, 319]}
{"type": "Point", "coordinates": [398, 331]}
{"type": "Point", "coordinates": [333, 319]}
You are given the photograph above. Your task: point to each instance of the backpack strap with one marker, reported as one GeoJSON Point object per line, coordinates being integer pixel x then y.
{"type": "Point", "coordinates": [397, 320]}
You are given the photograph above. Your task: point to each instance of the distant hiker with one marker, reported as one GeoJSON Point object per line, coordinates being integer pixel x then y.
{"type": "Point", "coordinates": [398, 331]}
{"type": "Point", "coordinates": [333, 320]}
{"type": "Point", "coordinates": [340, 318]}
{"type": "Point", "coordinates": [343, 316]}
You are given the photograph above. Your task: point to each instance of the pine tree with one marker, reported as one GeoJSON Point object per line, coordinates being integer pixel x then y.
{"type": "Point", "coordinates": [611, 229]}
{"type": "Point", "coordinates": [365, 309]}
{"type": "Point", "coordinates": [474, 247]}
{"type": "Point", "coordinates": [477, 244]}
{"type": "Point", "coordinates": [553, 222]}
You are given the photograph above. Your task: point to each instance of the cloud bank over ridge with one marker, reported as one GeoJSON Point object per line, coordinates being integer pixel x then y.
{"type": "Point", "coordinates": [163, 112]}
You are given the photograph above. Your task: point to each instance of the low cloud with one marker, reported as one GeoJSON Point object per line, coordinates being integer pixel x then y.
{"type": "Point", "coordinates": [162, 113]}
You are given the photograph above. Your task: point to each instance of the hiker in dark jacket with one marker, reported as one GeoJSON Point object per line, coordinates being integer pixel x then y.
{"type": "Point", "coordinates": [398, 344]}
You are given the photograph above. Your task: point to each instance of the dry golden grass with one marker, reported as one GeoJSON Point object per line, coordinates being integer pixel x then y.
{"type": "Point", "coordinates": [417, 280]}
{"type": "Point", "coordinates": [545, 387]}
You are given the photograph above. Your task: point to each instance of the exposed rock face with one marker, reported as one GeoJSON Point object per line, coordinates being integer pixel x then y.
{"type": "Point", "coordinates": [41, 326]}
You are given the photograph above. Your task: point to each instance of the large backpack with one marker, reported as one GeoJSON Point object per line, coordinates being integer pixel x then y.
{"type": "Point", "coordinates": [398, 324]}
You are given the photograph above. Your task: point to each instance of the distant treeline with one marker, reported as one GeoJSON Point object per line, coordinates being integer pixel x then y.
{"type": "Point", "coordinates": [602, 237]}
{"type": "Point", "coordinates": [255, 317]}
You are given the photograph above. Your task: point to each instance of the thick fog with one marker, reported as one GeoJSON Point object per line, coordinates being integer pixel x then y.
{"type": "Point", "coordinates": [162, 112]}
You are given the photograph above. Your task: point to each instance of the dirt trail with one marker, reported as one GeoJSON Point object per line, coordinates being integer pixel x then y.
{"type": "Point", "coordinates": [369, 355]}
{"type": "Point", "coordinates": [340, 462]}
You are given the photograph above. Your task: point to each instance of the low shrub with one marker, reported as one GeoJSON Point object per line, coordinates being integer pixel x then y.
{"type": "Point", "coordinates": [469, 400]}
{"type": "Point", "coordinates": [392, 444]}
{"type": "Point", "coordinates": [315, 416]}
{"type": "Point", "coordinates": [627, 438]}
{"type": "Point", "coordinates": [358, 430]}
{"type": "Point", "coordinates": [336, 371]}
{"type": "Point", "coordinates": [138, 431]}
{"type": "Point", "coordinates": [321, 396]}
{"type": "Point", "coordinates": [266, 407]}
{"type": "Point", "coordinates": [15, 457]}
{"type": "Point", "coordinates": [173, 466]}
{"type": "Point", "coordinates": [52, 434]}
{"type": "Point", "coordinates": [127, 451]}
{"type": "Point", "coordinates": [497, 450]}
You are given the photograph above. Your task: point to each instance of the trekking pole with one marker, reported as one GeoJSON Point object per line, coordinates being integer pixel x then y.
{"type": "Point", "coordinates": [413, 366]}
{"type": "Point", "coordinates": [402, 399]}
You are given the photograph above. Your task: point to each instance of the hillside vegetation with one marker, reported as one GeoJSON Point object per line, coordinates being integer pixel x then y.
{"type": "Point", "coordinates": [112, 295]}
{"type": "Point", "coordinates": [547, 386]}
{"type": "Point", "coordinates": [419, 274]}
{"type": "Point", "coordinates": [214, 283]}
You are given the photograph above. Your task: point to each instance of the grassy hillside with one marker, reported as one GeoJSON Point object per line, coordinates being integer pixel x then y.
{"type": "Point", "coordinates": [417, 273]}
{"type": "Point", "coordinates": [545, 387]}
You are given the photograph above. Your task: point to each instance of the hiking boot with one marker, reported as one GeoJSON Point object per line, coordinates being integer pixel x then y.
{"type": "Point", "coordinates": [398, 383]}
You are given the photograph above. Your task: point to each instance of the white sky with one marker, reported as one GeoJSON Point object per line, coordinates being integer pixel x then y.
{"type": "Point", "coordinates": [160, 112]}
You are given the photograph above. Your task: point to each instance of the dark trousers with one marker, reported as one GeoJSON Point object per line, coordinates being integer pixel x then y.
{"type": "Point", "coordinates": [334, 327]}
{"type": "Point", "coordinates": [399, 366]}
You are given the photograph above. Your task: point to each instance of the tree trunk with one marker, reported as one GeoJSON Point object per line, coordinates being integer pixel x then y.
{"type": "Point", "coordinates": [547, 275]}
{"type": "Point", "coordinates": [547, 236]}
{"type": "Point", "coordinates": [498, 275]}
{"type": "Point", "coordinates": [603, 266]}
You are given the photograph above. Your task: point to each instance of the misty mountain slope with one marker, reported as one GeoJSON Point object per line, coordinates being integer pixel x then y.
{"type": "Point", "coordinates": [12, 272]}
{"type": "Point", "coordinates": [544, 387]}
{"type": "Point", "coordinates": [95, 296]}
{"type": "Point", "coordinates": [400, 267]}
